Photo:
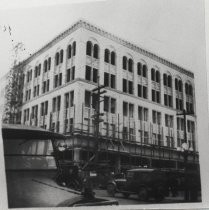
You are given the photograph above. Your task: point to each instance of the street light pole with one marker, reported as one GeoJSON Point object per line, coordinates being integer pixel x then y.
{"type": "Point", "coordinates": [185, 150]}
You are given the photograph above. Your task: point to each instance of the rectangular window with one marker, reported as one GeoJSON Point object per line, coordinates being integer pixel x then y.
{"type": "Point", "coordinates": [112, 81]}
{"type": "Point", "coordinates": [71, 98]}
{"type": "Point", "coordinates": [125, 109]}
{"type": "Point", "coordinates": [153, 95]}
{"type": "Point", "coordinates": [47, 89]}
{"type": "Point", "coordinates": [95, 75]}
{"type": "Point", "coordinates": [165, 100]}
{"type": "Point", "coordinates": [145, 114]}
{"type": "Point", "coordinates": [88, 73]}
{"type": "Point", "coordinates": [158, 96]}
{"type": "Point", "coordinates": [54, 101]}
{"type": "Point", "coordinates": [56, 81]}
{"type": "Point", "coordinates": [66, 100]}
{"type": "Point", "coordinates": [124, 85]}
{"type": "Point", "coordinates": [73, 73]}
{"type": "Point", "coordinates": [154, 117]}
{"type": "Point", "coordinates": [139, 91]}
{"type": "Point", "coordinates": [113, 105]}
{"type": "Point", "coordinates": [87, 98]}
{"type": "Point", "coordinates": [46, 108]}
{"type": "Point", "coordinates": [58, 103]}
{"type": "Point", "coordinates": [44, 87]}
{"type": "Point", "coordinates": [68, 75]}
{"type": "Point", "coordinates": [170, 101]}
{"type": "Point", "coordinates": [158, 118]}
{"type": "Point", "coordinates": [144, 92]}
{"type": "Point", "coordinates": [106, 103]}
{"type": "Point", "coordinates": [140, 113]}
{"type": "Point", "coordinates": [38, 90]}
{"type": "Point", "coordinates": [131, 110]}
{"type": "Point", "coordinates": [60, 79]}
{"type": "Point", "coordinates": [94, 101]}
{"type": "Point", "coordinates": [130, 87]}
{"type": "Point", "coordinates": [106, 79]}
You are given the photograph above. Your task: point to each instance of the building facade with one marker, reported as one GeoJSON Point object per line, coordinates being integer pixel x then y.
{"type": "Point", "coordinates": [144, 93]}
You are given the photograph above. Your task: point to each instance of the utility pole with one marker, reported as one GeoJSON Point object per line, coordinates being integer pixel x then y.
{"type": "Point", "coordinates": [97, 92]}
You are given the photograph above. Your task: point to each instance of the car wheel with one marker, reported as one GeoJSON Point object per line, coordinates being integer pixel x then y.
{"type": "Point", "coordinates": [159, 193]}
{"type": "Point", "coordinates": [111, 189]}
{"type": "Point", "coordinates": [126, 195]}
{"type": "Point", "coordinates": [143, 194]}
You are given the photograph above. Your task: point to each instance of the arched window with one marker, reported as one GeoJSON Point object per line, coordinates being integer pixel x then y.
{"type": "Point", "coordinates": [176, 84]}
{"type": "Point", "coordinates": [169, 81]}
{"type": "Point", "coordinates": [157, 79]}
{"type": "Point", "coordinates": [130, 65]}
{"type": "Point", "coordinates": [113, 58]}
{"type": "Point", "coordinates": [69, 51]}
{"type": "Point", "coordinates": [61, 56]}
{"type": "Point", "coordinates": [186, 89]}
{"type": "Point", "coordinates": [45, 66]}
{"type": "Point", "coordinates": [153, 74]}
{"type": "Point", "coordinates": [107, 55]}
{"type": "Point", "coordinates": [96, 51]}
{"type": "Point", "coordinates": [49, 63]}
{"type": "Point", "coordinates": [88, 48]}
{"type": "Point", "coordinates": [165, 79]}
{"type": "Point", "coordinates": [190, 90]}
{"type": "Point", "coordinates": [57, 58]}
{"type": "Point", "coordinates": [74, 48]}
{"type": "Point", "coordinates": [124, 62]}
{"type": "Point", "coordinates": [180, 86]}
{"type": "Point", "coordinates": [139, 68]}
{"type": "Point", "coordinates": [144, 70]}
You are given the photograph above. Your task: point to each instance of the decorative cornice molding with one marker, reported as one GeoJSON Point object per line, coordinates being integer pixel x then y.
{"type": "Point", "coordinates": [98, 30]}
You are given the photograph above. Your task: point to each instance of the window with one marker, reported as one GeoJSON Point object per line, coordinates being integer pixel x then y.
{"type": "Point", "coordinates": [88, 48]}
{"type": "Point", "coordinates": [156, 117]}
{"type": "Point", "coordinates": [107, 55]}
{"type": "Point", "coordinates": [69, 51]}
{"type": "Point", "coordinates": [49, 63]}
{"type": "Point", "coordinates": [124, 85]}
{"type": "Point", "coordinates": [66, 100]}
{"type": "Point", "coordinates": [71, 98]}
{"type": "Point", "coordinates": [139, 69]}
{"type": "Point", "coordinates": [142, 113]}
{"type": "Point", "coordinates": [74, 48]}
{"type": "Point", "coordinates": [131, 110]}
{"type": "Point", "coordinates": [109, 80]}
{"type": "Point", "coordinates": [44, 108]}
{"type": "Point", "coordinates": [70, 74]}
{"type": "Point", "coordinates": [106, 79]}
{"type": "Point", "coordinates": [142, 91]}
{"type": "Point", "coordinates": [124, 62]}
{"type": "Point", "coordinates": [130, 87]}
{"type": "Point", "coordinates": [155, 96]}
{"type": "Point", "coordinates": [113, 58]}
{"type": "Point", "coordinates": [58, 80]}
{"type": "Point", "coordinates": [169, 121]}
{"type": "Point", "coordinates": [61, 56]}
{"type": "Point", "coordinates": [109, 104]}
{"type": "Point", "coordinates": [87, 98]}
{"type": "Point", "coordinates": [125, 109]}
{"type": "Point", "coordinates": [88, 73]}
{"type": "Point", "coordinates": [96, 51]}
{"type": "Point", "coordinates": [130, 65]}
{"type": "Point", "coordinates": [57, 58]}
{"type": "Point", "coordinates": [45, 66]}
{"type": "Point", "coordinates": [144, 71]}
{"type": "Point", "coordinates": [127, 86]}
{"type": "Point", "coordinates": [56, 102]}
{"type": "Point", "coordinates": [95, 75]}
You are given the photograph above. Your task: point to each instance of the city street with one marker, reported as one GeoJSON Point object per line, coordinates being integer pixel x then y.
{"type": "Point", "coordinates": [40, 190]}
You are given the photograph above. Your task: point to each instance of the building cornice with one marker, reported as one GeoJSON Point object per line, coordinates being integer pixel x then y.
{"type": "Point", "coordinates": [98, 30]}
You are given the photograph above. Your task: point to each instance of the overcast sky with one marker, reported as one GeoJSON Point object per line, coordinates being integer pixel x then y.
{"type": "Point", "coordinates": [173, 29]}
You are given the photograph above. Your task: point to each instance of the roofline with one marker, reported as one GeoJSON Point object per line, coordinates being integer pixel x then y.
{"type": "Point", "coordinates": [83, 23]}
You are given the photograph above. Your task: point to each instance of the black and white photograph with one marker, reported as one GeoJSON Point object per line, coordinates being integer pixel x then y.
{"type": "Point", "coordinates": [104, 103]}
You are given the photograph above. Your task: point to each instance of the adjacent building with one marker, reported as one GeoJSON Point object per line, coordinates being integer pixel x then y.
{"type": "Point", "coordinates": [144, 93]}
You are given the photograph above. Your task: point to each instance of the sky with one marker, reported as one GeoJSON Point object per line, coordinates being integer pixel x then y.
{"type": "Point", "coordinates": [173, 29]}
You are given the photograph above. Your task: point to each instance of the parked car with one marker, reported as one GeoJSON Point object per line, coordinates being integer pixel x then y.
{"type": "Point", "coordinates": [145, 182]}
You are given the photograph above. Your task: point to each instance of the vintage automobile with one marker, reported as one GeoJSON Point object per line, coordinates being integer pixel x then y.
{"type": "Point", "coordinates": [145, 182]}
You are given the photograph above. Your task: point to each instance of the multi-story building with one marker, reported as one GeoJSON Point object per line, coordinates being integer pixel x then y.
{"type": "Point", "coordinates": [144, 93]}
